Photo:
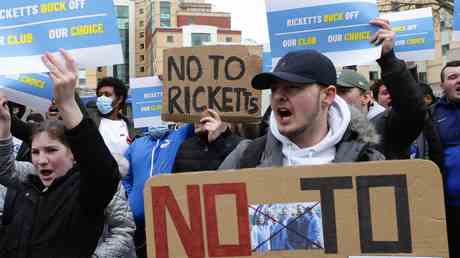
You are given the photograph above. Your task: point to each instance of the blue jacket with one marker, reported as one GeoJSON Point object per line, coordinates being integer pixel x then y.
{"type": "Point", "coordinates": [446, 119]}
{"type": "Point", "coordinates": [149, 156]}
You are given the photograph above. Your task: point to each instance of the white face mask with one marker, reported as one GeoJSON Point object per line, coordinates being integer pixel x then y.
{"type": "Point", "coordinates": [104, 104]}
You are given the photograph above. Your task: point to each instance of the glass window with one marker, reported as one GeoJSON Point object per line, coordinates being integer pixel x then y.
{"type": "Point", "coordinates": [422, 76]}
{"type": "Point", "coordinates": [142, 69]}
{"type": "Point", "coordinates": [170, 39]}
{"type": "Point", "coordinates": [141, 34]}
{"type": "Point", "coordinates": [165, 14]}
{"type": "Point", "coordinates": [373, 75]}
{"type": "Point", "coordinates": [141, 24]}
{"type": "Point", "coordinates": [141, 11]}
{"type": "Point", "coordinates": [199, 38]}
{"type": "Point", "coordinates": [122, 11]}
{"type": "Point", "coordinates": [142, 57]}
{"type": "Point", "coordinates": [142, 46]}
{"type": "Point", "coordinates": [445, 49]}
{"type": "Point", "coordinates": [228, 39]}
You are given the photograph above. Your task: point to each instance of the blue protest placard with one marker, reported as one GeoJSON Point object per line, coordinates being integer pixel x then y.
{"type": "Point", "coordinates": [456, 25]}
{"type": "Point", "coordinates": [267, 62]}
{"type": "Point", "coordinates": [414, 34]}
{"type": "Point", "coordinates": [85, 28]}
{"type": "Point", "coordinates": [147, 99]}
{"type": "Point", "coordinates": [337, 28]}
{"type": "Point", "coordinates": [31, 90]}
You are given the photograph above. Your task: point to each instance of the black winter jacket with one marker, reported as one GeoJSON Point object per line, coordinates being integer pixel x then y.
{"type": "Point", "coordinates": [400, 125]}
{"type": "Point", "coordinates": [196, 154]}
{"type": "Point", "coordinates": [66, 219]}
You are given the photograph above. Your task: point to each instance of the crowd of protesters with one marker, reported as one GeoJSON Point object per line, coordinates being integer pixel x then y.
{"type": "Point", "coordinates": [71, 184]}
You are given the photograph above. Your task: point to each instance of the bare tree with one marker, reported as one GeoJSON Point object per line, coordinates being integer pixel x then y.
{"type": "Point", "coordinates": [395, 5]}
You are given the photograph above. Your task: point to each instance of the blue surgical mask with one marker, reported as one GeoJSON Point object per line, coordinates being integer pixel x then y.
{"type": "Point", "coordinates": [104, 104]}
{"type": "Point", "coordinates": [158, 131]}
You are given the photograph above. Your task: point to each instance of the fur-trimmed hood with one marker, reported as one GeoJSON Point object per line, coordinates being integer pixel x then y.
{"type": "Point", "coordinates": [361, 128]}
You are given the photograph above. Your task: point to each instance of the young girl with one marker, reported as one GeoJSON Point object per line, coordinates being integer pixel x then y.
{"type": "Point", "coordinates": [58, 209]}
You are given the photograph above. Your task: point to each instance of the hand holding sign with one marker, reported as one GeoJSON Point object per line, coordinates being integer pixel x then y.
{"type": "Point", "coordinates": [64, 77]}
{"type": "Point", "coordinates": [5, 117]}
{"type": "Point", "coordinates": [384, 36]}
{"type": "Point", "coordinates": [213, 125]}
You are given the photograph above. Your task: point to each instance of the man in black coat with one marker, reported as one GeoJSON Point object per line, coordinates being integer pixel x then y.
{"type": "Point", "coordinates": [212, 142]}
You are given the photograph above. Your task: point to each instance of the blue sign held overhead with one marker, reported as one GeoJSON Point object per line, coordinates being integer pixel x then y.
{"type": "Point", "coordinates": [332, 27]}
{"type": "Point", "coordinates": [32, 90]}
{"type": "Point", "coordinates": [414, 34]}
{"type": "Point", "coordinates": [29, 28]}
{"type": "Point", "coordinates": [456, 25]}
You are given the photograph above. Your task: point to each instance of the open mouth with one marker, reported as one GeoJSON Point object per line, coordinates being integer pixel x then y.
{"type": "Point", "coordinates": [46, 172]}
{"type": "Point", "coordinates": [284, 112]}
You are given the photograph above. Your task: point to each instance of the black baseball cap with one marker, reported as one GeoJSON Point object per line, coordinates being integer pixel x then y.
{"type": "Point", "coordinates": [304, 66]}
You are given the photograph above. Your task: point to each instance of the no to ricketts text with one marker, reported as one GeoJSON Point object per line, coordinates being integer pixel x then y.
{"type": "Point", "coordinates": [186, 99]}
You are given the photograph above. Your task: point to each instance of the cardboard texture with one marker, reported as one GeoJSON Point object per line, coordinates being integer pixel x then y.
{"type": "Point", "coordinates": [391, 208]}
{"type": "Point", "coordinates": [216, 77]}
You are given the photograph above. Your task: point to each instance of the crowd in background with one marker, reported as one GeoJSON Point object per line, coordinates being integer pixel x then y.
{"type": "Point", "coordinates": [72, 182]}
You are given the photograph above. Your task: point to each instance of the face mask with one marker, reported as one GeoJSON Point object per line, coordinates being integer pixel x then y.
{"type": "Point", "coordinates": [158, 131]}
{"type": "Point", "coordinates": [104, 104]}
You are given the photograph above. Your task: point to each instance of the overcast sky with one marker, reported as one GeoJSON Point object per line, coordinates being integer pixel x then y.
{"type": "Point", "coordinates": [247, 16]}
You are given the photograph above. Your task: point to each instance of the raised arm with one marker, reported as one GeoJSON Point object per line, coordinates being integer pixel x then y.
{"type": "Point", "coordinates": [98, 169]}
{"type": "Point", "coordinates": [406, 118]}
{"type": "Point", "coordinates": [11, 172]}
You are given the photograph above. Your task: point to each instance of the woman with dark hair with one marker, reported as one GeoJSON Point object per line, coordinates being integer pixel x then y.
{"type": "Point", "coordinates": [55, 206]}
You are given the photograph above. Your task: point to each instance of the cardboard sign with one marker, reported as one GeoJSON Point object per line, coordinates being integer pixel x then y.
{"type": "Point", "coordinates": [390, 208]}
{"type": "Point", "coordinates": [216, 77]}
{"type": "Point", "coordinates": [414, 34]}
{"type": "Point", "coordinates": [339, 29]}
{"type": "Point", "coordinates": [147, 98]}
{"type": "Point", "coordinates": [31, 90]}
{"type": "Point", "coordinates": [85, 28]}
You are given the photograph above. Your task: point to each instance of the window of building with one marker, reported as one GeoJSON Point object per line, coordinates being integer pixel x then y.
{"type": "Point", "coordinates": [445, 49]}
{"type": "Point", "coordinates": [99, 69]}
{"type": "Point", "coordinates": [142, 57]}
{"type": "Point", "coordinates": [141, 34]}
{"type": "Point", "coordinates": [199, 38]}
{"type": "Point", "coordinates": [170, 39]}
{"type": "Point", "coordinates": [142, 46]}
{"type": "Point", "coordinates": [191, 20]}
{"type": "Point", "coordinates": [142, 69]}
{"type": "Point", "coordinates": [141, 11]}
{"type": "Point", "coordinates": [373, 75]}
{"type": "Point", "coordinates": [422, 76]}
{"type": "Point", "coordinates": [228, 39]}
{"type": "Point", "coordinates": [122, 11]}
{"type": "Point", "coordinates": [141, 24]}
{"type": "Point", "coordinates": [165, 14]}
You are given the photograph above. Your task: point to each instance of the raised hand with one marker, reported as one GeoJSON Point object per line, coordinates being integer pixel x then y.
{"type": "Point", "coordinates": [213, 125]}
{"type": "Point", "coordinates": [384, 35]}
{"type": "Point", "coordinates": [5, 118]}
{"type": "Point", "coordinates": [65, 78]}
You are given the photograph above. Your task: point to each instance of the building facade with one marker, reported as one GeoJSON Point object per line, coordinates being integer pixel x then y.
{"type": "Point", "coordinates": [125, 21]}
{"type": "Point", "coordinates": [176, 23]}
